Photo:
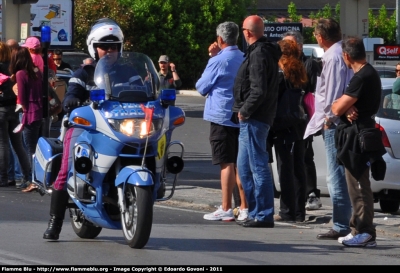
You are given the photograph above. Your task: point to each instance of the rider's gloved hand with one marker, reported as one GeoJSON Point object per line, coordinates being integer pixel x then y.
{"type": "Point", "coordinates": [71, 103]}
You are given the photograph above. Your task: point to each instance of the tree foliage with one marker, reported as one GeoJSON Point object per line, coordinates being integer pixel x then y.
{"type": "Point", "coordinates": [327, 12]}
{"type": "Point", "coordinates": [292, 12]}
{"type": "Point", "coordinates": [182, 29]}
{"type": "Point", "coordinates": [88, 11]}
{"type": "Point", "coordinates": [383, 26]}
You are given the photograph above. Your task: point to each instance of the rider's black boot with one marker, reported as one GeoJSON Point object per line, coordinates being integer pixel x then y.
{"type": "Point", "coordinates": [58, 205]}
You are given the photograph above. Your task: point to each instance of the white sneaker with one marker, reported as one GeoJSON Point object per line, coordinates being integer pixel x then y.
{"type": "Point", "coordinates": [313, 202]}
{"type": "Point", "coordinates": [345, 238]}
{"type": "Point", "coordinates": [18, 107]}
{"type": "Point", "coordinates": [219, 215]}
{"type": "Point", "coordinates": [243, 214]}
{"type": "Point", "coordinates": [360, 240]}
{"type": "Point", "coordinates": [18, 129]}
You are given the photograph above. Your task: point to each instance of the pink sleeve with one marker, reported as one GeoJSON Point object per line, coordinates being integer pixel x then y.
{"type": "Point", "coordinates": [38, 61]}
{"type": "Point", "coordinates": [22, 77]}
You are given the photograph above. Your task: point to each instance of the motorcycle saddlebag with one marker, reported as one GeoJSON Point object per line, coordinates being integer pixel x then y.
{"type": "Point", "coordinates": [45, 150]}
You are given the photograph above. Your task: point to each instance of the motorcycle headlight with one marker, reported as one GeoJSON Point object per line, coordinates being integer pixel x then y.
{"type": "Point", "coordinates": [135, 127]}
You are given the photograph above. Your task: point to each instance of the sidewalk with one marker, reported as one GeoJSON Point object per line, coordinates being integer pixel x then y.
{"type": "Point", "coordinates": [206, 199]}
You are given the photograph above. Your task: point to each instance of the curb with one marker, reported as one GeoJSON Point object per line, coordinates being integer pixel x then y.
{"type": "Point", "coordinates": [206, 200]}
{"type": "Point", "coordinates": [188, 93]}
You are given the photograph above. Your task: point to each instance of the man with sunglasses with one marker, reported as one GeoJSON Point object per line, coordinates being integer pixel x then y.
{"type": "Point", "coordinates": [57, 58]}
{"type": "Point", "coordinates": [256, 92]}
{"type": "Point", "coordinates": [168, 80]}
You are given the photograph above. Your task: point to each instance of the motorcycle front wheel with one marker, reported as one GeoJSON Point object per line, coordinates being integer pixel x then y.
{"type": "Point", "coordinates": [84, 229]}
{"type": "Point", "coordinates": [137, 216]}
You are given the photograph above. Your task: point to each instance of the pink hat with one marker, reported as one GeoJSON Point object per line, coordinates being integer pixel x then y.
{"type": "Point", "coordinates": [32, 42]}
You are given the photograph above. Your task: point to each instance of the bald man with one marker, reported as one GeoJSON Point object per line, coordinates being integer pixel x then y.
{"type": "Point", "coordinates": [256, 94]}
{"type": "Point", "coordinates": [13, 44]}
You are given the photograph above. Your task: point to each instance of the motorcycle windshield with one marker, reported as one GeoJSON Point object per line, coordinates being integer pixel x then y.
{"type": "Point", "coordinates": [130, 77]}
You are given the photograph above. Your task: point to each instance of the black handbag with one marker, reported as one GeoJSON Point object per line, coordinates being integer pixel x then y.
{"type": "Point", "coordinates": [370, 140]}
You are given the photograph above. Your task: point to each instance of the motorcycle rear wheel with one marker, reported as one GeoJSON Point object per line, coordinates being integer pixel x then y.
{"type": "Point", "coordinates": [137, 217]}
{"type": "Point", "coordinates": [84, 229]}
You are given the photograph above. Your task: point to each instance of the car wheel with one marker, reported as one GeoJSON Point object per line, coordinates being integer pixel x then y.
{"type": "Point", "coordinates": [389, 206]}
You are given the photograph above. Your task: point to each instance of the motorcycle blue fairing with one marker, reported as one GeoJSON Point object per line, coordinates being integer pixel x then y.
{"type": "Point", "coordinates": [135, 175]}
{"type": "Point", "coordinates": [121, 160]}
{"type": "Point", "coordinates": [85, 112]}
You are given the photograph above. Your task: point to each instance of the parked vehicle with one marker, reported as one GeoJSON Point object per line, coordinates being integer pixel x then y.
{"type": "Point", "coordinates": [123, 160]}
{"type": "Point", "coordinates": [74, 58]}
{"type": "Point", "coordinates": [386, 71]}
{"type": "Point", "coordinates": [386, 192]}
{"type": "Point", "coordinates": [313, 51]}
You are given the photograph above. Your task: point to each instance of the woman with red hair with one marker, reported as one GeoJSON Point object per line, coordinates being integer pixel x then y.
{"type": "Point", "coordinates": [288, 142]}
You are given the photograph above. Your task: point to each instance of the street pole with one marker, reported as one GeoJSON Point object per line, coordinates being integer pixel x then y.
{"type": "Point", "coordinates": [45, 43]}
{"type": "Point", "coordinates": [398, 21]}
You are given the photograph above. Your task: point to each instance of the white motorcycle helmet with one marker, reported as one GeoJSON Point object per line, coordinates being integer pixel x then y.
{"type": "Point", "coordinates": [104, 30]}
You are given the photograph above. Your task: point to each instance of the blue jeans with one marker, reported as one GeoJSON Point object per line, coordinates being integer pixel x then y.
{"type": "Point", "coordinates": [31, 136]}
{"type": "Point", "coordinates": [337, 186]}
{"type": "Point", "coordinates": [253, 170]}
{"type": "Point", "coordinates": [8, 121]}
{"type": "Point", "coordinates": [14, 170]}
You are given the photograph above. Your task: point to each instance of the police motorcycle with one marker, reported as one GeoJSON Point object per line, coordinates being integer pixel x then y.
{"type": "Point", "coordinates": [124, 160]}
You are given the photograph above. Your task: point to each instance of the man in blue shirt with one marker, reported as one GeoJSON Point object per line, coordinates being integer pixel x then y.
{"type": "Point", "coordinates": [216, 83]}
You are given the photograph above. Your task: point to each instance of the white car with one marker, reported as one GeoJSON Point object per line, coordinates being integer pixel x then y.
{"type": "Point", "coordinates": [313, 51]}
{"type": "Point", "coordinates": [386, 71]}
{"type": "Point", "coordinates": [386, 192]}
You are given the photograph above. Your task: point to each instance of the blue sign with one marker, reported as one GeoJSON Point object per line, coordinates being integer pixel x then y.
{"type": "Point", "coordinates": [274, 31]}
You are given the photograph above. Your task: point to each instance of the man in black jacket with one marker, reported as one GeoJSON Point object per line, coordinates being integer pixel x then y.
{"type": "Point", "coordinates": [256, 94]}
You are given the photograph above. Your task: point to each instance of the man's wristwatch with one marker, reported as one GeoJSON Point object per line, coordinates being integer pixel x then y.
{"type": "Point", "coordinates": [327, 122]}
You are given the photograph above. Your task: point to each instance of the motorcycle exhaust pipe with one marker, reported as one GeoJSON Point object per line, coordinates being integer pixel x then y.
{"type": "Point", "coordinates": [175, 164]}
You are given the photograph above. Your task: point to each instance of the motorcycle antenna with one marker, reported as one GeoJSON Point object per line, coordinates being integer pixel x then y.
{"type": "Point", "coordinates": [148, 117]}
{"type": "Point", "coordinates": [144, 152]}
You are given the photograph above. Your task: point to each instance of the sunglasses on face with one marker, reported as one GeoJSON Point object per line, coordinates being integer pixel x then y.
{"type": "Point", "coordinates": [397, 70]}
{"type": "Point", "coordinates": [162, 62]}
{"type": "Point", "coordinates": [57, 59]}
{"type": "Point", "coordinates": [106, 47]}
